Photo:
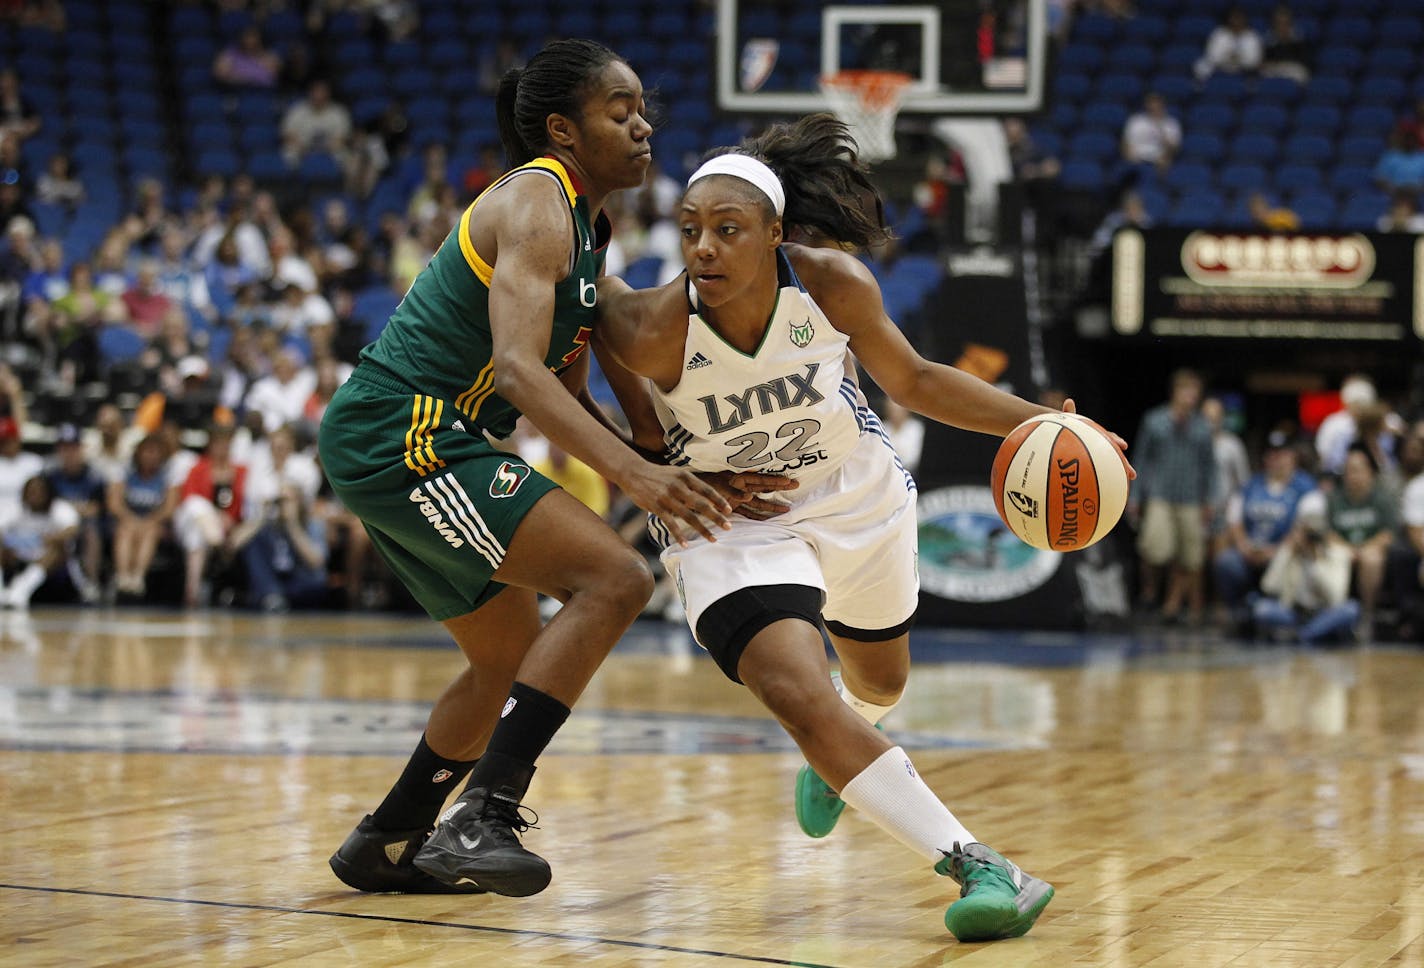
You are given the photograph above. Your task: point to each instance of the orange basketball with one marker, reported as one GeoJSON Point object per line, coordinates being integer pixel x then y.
{"type": "Point", "coordinates": [1058, 481]}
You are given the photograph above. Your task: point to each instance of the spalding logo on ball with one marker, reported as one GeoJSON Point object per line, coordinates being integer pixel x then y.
{"type": "Point", "coordinates": [1059, 483]}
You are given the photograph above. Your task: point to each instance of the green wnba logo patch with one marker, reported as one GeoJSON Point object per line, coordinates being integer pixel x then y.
{"type": "Point", "coordinates": [801, 333]}
{"type": "Point", "coordinates": [507, 479]}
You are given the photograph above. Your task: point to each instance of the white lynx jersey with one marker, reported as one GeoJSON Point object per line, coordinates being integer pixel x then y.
{"type": "Point", "coordinates": [786, 408]}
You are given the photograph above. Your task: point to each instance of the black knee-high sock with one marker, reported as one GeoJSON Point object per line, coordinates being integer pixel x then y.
{"type": "Point", "coordinates": [529, 721]}
{"type": "Point", "coordinates": [418, 795]}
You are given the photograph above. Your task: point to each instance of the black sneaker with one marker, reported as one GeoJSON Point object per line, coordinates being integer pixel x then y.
{"type": "Point", "coordinates": [477, 841]}
{"type": "Point", "coordinates": [379, 862]}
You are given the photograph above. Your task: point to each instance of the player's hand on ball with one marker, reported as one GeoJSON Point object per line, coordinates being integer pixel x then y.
{"type": "Point", "coordinates": [1070, 407]}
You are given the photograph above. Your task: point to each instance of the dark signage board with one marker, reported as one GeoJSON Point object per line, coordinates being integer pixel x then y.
{"type": "Point", "coordinates": [1172, 284]}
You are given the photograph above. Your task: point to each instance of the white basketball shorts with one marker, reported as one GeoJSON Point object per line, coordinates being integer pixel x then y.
{"type": "Point", "coordinates": [853, 536]}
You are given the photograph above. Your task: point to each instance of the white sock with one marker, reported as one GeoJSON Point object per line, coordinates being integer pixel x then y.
{"type": "Point", "coordinates": [890, 793]}
{"type": "Point", "coordinates": [867, 711]}
{"type": "Point", "coordinates": [23, 585]}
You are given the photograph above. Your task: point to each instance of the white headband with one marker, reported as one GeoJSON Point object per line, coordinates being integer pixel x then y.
{"type": "Point", "coordinates": [747, 169]}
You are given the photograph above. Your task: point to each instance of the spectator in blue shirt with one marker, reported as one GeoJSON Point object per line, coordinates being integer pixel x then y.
{"type": "Point", "coordinates": [71, 479]}
{"type": "Point", "coordinates": [1402, 164]}
{"type": "Point", "coordinates": [1259, 518]}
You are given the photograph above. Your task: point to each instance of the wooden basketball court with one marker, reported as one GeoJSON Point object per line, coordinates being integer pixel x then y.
{"type": "Point", "coordinates": [173, 784]}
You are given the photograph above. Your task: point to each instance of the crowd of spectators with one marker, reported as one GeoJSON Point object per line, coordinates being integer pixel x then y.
{"type": "Point", "coordinates": [1320, 541]}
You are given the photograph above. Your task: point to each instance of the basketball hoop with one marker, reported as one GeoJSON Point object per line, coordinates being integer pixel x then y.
{"type": "Point", "coordinates": [867, 101]}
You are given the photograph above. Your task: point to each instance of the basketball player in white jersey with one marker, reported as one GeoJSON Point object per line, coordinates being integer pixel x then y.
{"type": "Point", "coordinates": [749, 359]}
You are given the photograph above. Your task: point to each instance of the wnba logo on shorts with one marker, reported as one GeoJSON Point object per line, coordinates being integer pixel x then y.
{"type": "Point", "coordinates": [507, 479]}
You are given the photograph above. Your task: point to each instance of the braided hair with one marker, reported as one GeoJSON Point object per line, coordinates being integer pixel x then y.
{"type": "Point", "coordinates": [555, 81]}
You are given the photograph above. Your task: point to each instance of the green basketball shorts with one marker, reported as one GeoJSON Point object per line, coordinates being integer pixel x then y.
{"type": "Point", "coordinates": [441, 504]}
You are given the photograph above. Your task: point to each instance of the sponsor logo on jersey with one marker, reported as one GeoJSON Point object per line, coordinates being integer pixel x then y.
{"type": "Point", "coordinates": [782, 393]}
{"type": "Point", "coordinates": [458, 425]}
{"type": "Point", "coordinates": [436, 519]}
{"type": "Point", "coordinates": [801, 333]}
{"type": "Point", "coordinates": [698, 361]}
{"type": "Point", "coordinates": [967, 554]}
{"type": "Point", "coordinates": [507, 479]}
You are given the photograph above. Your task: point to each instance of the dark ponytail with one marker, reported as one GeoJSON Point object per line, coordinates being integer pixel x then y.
{"type": "Point", "coordinates": [555, 81]}
{"type": "Point", "coordinates": [828, 189]}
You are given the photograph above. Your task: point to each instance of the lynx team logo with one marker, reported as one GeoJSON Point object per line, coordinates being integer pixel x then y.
{"type": "Point", "coordinates": [968, 554]}
{"type": "Point", "coordinates": [801, 334]}
{"type": "Point", "coordinates": [507, 479]}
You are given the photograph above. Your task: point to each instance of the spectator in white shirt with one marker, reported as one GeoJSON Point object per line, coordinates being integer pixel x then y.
{"type": "Point", "coordinates": [315, 123]}
{"type": "Point", "coordinates": [282, 396]}
{"type": "Point", "coordinates": [1233, 48]}
{"type": "Point", "coordinates": [36, 538]}
{"type": "Point", "coordinates": [16, 466]}
{"type": "Point", "coordinates": [1151, 136]}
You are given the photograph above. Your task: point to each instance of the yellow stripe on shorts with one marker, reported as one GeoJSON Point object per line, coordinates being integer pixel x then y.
{"type": "Point", "coordinates": [469, 402]}
{"type": "Point", "coordinates": [419, 439]}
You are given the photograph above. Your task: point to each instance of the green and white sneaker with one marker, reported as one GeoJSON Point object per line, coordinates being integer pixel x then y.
{"type": "Point", "coordinates": [996, 899]}
{"type": "Point", "coordinates": [818, 807]}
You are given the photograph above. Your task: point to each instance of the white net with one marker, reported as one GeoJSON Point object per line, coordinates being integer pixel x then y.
{"type": "Point", "coordinates": [868, 101]}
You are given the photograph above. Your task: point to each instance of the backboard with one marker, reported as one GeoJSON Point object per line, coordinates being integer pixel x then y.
{"type": "Point", "coordinates": [967, 56]}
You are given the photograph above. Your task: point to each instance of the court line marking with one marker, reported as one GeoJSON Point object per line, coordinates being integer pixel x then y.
{"type": "Point", "coordinates": [523, 932]}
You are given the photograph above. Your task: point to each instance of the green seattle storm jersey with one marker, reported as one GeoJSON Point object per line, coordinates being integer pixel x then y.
{"type": "Point", "coordinates": [438, 340]}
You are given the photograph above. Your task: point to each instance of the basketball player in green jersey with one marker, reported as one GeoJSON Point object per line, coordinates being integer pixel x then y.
{"type": "Point", "coordinates": [498, 324]}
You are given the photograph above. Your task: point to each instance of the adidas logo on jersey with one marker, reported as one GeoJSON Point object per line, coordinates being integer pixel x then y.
{"type": "Point", "coordinates": [698, 361]}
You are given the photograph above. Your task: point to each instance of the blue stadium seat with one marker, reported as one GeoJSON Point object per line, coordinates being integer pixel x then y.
{"type": "Point", "coordinates": [1146, 28]}
{"type": "Point", "coordinates": [1256, 149]}
{"type": "Point", "coordinates": [1176, 88]}
{"type": "Point", "coordinates": [1157, 202]}
{"type": "Point", "coordinates": [1186, 175]}
{"type": "Point", "coordinates": [118, 343]}
{"type": "Point", "coordinates": [1397, 61]}
{"type": "Point", "coordinates": [1350, 178]}
{"type": "Point", "coordinates": [258, 135]}
{"type": "Point", "coordinates": [1308, 149]}
{"type": "Point", "coordinates": [1082, 175]}
{"type": "Point", "coordinates": [1198, 207]}
{"type": "Point", "coordinates": [1064, 117]}
{"type": "Point", "coordinates": [1239, 177]}
{"type": "Point", "coordinates": [1121, 88]}
{"type": "Point", "coordinates": [1194, 29]}
{"type": "Point", "coordinates": [1280, 89]}
{"type": "Point", "coordinates": [1264, 118]}
{"type": "Point", "coordinates": [267, 166]}
{"type": "Point", "coordinates": [1105, 115]}
{"type": "Point", "coordinates": [362, 82]}
{"type": "Point", "coordinates": [1332, 90]}
{"type": "Point", "coordinates": [1315, 208]}
{"type": "Point", "coordinates": [1294, 178]}
{"type": "Point", "coordinates": [1132, 58]}
{"type": "Point", "coordinates": [214, 133]}
{"type": "Point", "coordinates": [1098, 146]}
{"type": "Point", "coordinates": [195, 49]}
{"type": "Point", "coordinates": [1047, 142]}
{"type": "Point", "coordinates": [51, 220]}
{"type": "Point", "coordinates": [217, 160]}
{"type": "Point", "coordinates": [1209, 116]}
{"type": "Point", "coordinates": [1339, 60]}
{"type": "Point", "coordinates": [1225, 87]}
{"type": "Point", "coordinates": [413, 83]}
{"type": "Point", "coordinates": [320, 168]}
{"type": "Point", "coordinates": [1350, 30]}
{"type": "Point", "coordinates": [448, 53]}
{"type": "Point", "coordinates": [1381, 89]}
{"type": "Point", "coordinates": [1206, 146]}
{"type": "Point", "coordinates": [1317, 119]}
{"type": "Point", "coordinates": [1362, 210]}
{"type": "Point", "coordinates": [1360, 150]}
{"type": "Point", "coordinates": [1095, 28]}
{"type": "Point", "coordinates": [1081, 59]}
{"type": "Point", "coordinates": [1071, 87]}
{"type": "Point", "coordinates": [1369, 119]}
{"type": "Point", "coordinates": [1396, 31]}
{"type": "Point", "coordinates": [188, 21]}
{"type": "Point", "coordinates": [1178, 58]}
